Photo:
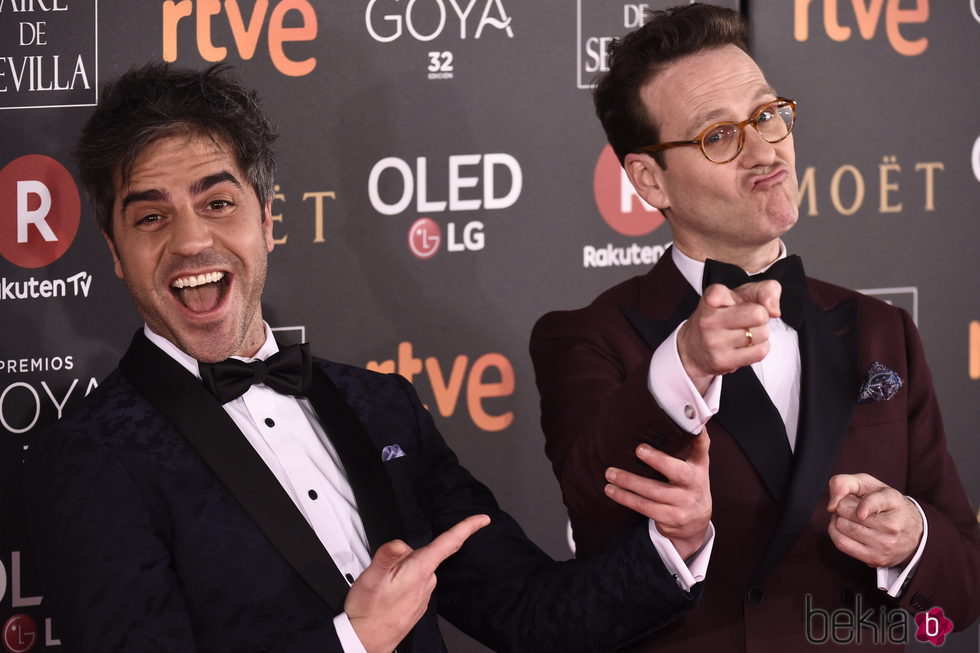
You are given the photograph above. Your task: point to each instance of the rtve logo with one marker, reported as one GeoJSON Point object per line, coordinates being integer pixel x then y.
{"type": "Point", "coordinates": [974, 355]}
{"type": "Point", "coordinates": [246, 32]}
{"type": "Point", "coordinates": [618, 202]}
{"type": "Point", "coordinates": [490, 377]}
{"type": "Point", "coordinates": [868, 14]}
{"type": "Point", "coordinates": [39, 211]}
{"type": "Point", "coordinates": [497, 175]}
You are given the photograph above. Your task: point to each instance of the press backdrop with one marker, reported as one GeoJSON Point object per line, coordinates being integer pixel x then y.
{"type": "Point", "coordinates": [443, 182]}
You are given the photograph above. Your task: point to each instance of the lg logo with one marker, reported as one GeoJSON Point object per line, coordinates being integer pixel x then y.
{"type": "Point", "coordinates": [19, 634]}
{"type": "Point", "coordinates": [39, 211]}
{"type": "Point", "coordinates": [474, 182]}
{"type": "Point", "coordinates": [424, 238]}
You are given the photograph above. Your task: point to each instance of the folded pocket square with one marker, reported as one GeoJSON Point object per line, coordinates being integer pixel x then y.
{"type": "Point", "coordinates": [391, 452]}
{"type": "Point", "coordinates": [881, 385]}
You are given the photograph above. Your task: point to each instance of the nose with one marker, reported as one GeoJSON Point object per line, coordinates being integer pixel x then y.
{"type": "Point", "coordinates": [756, 151]}
{"type": "Point", "coordinates": [190, 234]}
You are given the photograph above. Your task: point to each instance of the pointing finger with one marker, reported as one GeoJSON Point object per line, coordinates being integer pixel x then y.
{"type": "Point", "coordinates": [718, 296]}
{"type": "Point", "coordinates": [435, 552]}
{"type": "Point", "coordinates": [766, 293]}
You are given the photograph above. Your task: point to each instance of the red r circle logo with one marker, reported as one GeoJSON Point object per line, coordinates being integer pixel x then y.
{"type": "Point", "coordinates": [39, 211]}
{"type": "Point", "coordinates": [424, 238]}
{"type": "Point", "coordinates": [617, 201]}
{"type": "Point", "coordinates": [19, 634]}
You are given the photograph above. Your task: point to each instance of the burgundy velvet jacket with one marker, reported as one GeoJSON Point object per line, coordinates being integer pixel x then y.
{"type": "Point", "coordinates": [773, 565]}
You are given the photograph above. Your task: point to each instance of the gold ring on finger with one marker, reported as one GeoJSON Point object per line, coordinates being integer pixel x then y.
{"type": "Point", "coordinates": [748, 337]}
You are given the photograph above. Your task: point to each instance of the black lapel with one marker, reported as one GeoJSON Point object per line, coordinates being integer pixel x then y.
{"type": "Point", "coordinates": [749, 416]}
{"type": "Point", "coordinates": [828, 389]}
{"type": "Point", "coordinates": [187, 404]}
{"type": "Point", "coordinates": [375, 497]}
{"type": "Point", "coordinates": [654, 331]}
{"type": "Point", "coordinates": [738, 394]}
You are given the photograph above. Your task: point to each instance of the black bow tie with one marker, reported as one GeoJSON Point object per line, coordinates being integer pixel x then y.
{"type": "Point", "coordinates": [288, 371]}
{"type": "Point", "coordinates": [788, 272]}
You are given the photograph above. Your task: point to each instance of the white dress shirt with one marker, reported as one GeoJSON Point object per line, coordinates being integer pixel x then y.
{"type": "Point", "coordinates": [287, 435]}
{"type": "Point", "coordinates": [779, 373]}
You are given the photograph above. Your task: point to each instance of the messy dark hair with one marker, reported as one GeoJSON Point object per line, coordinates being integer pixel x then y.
{"type": "Point", "coordinates": [639, 56]}
{"type": "Point", "coordinates": [158, 100]}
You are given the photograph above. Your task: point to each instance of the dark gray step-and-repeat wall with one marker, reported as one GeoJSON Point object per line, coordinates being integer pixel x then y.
{"type": "Point", "coordinates": [443, 182]}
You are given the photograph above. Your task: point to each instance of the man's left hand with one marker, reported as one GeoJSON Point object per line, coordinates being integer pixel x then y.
{"type": "Point", "coordinates": [871, 521]}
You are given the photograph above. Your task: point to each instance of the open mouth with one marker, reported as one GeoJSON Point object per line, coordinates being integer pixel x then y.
{"type": "Point", "coordinates": [202, 292]}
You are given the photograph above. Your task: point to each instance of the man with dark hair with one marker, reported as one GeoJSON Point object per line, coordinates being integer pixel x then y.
{"type": "Point", "coordinates": [828, 450]}
{"type": "Point", "coordinates": [218, 493]}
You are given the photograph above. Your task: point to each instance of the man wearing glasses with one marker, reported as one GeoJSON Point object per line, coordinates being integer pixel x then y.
{"type": "Point", "coordinates": [832, 487]}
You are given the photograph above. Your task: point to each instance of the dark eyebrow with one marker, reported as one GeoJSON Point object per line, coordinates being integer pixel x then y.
{"type": "Point", "coordinates": [210, 181]}
{"type": "Point", "coordinates": [199, 186]}
{"type": "Point", "coordinates": [152, 195]}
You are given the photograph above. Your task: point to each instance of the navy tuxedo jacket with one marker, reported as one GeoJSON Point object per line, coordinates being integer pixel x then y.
{"type": "Point", "coordinates": [772, 550]}
{"type": "Point", "coordinates": [143, 546]}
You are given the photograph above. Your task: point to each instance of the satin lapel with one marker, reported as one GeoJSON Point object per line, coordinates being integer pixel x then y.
{"type": "Point", "coordinates": [749, 416]}
{"type": "Point", "coordinates": [828, 389]}
{"type": "Point", "coordinates": [655, 331]}
{"type": "Point", "coordinates": [185, 402]}
{"type": "Point", "coordinates": [375, 497]}
{"type": "Point", "coordinates": [664, 300]}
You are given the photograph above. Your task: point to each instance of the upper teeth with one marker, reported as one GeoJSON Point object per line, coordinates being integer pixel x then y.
{"type": "Point", "coordinates": [201, 279]}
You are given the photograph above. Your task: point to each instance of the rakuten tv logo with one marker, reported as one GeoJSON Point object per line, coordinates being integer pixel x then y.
{"type": "Point", "coordinates": [617, 200]}
{"type": "Point", "coordinates": [39, 211]}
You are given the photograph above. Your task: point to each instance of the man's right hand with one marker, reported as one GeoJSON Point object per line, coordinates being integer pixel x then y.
{"type": "Point", "coordinates": [681, 507]}
{"type": "Point", "coordinates": [392, 594]}
{"type": "Point", "coordinates": [713, 340]}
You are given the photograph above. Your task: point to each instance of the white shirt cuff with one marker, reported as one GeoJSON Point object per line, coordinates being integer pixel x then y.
{"type": "Point", "coordinates": [674, 392]}
{"type": "Point", "coordinates": [891, 579]}
{"type": "Point", "coordinates": [694, 569]}
{"type": "Point", "coordinates": [345, 632]}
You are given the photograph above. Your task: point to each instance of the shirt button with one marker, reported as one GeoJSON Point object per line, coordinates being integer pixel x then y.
{"type": "Point", "coordinates": [270, 422]}
{"type": "Point", "coordinates": [313, 494]}
{"type": "Point", "coordinates": [689, 411]}
{"type": "Point", "coordinates": [350, 578]}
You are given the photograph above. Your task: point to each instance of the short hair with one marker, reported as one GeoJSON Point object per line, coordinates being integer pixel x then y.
{"type": "Point", "coordinates": [158, 100]}
{"type": "Point", "coordinates": [639, 56]}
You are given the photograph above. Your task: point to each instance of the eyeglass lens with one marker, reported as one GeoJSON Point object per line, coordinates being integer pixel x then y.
{"type": "Point", "coordinates": [721, 143]}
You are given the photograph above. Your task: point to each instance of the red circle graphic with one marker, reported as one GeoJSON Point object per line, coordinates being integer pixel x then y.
{"type": "Point", "coordinates": [613, 190]}
{"type": "Point", "coordinates": [424, 238]}
{"type": "Point", "coordinates": [39, 211]}
{"type": "Point", "coordinates": [19, 634]}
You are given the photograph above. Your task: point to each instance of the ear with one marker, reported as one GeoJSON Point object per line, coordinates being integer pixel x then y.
{"type": "Point", "coordinates": [647, 178]}
{"type": "Point", "coordinates": [267, 225]}
{"type": "Point", "coordinates": [115, 256]}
